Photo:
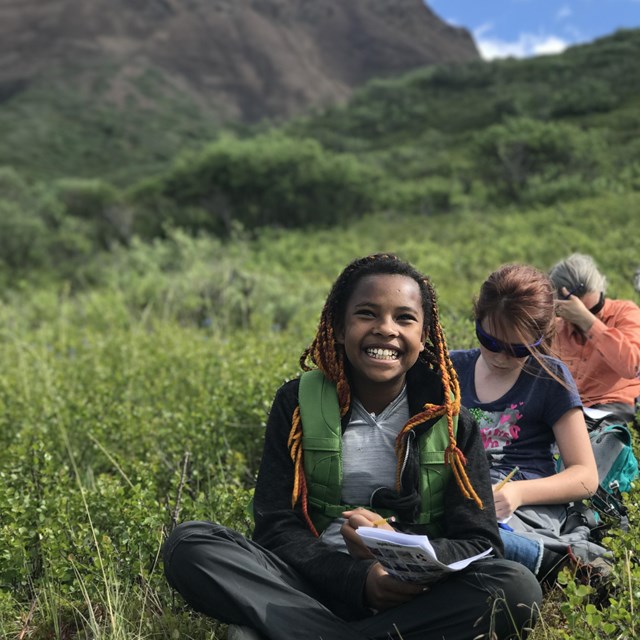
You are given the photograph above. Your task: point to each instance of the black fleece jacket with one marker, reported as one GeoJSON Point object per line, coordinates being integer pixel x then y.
{"type": "Point", "coordinates": [337, 576]}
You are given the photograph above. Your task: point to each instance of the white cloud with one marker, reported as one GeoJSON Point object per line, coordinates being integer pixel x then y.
{"type": "Point", "coordinates": [527, 45]}
{"type": "Point", "coordinates": [548, 45]}
{"type": "Point", "coordinates": [485, 27]}
{"type": "Point", "coordinates": [564, 12]}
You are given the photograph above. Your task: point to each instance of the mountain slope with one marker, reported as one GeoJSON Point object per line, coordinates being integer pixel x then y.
{"type": "Point", "coordinates": [244, 59]}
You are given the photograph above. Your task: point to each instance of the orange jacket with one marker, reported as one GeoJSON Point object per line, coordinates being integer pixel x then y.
{"type": "Point", "coordinates": [605, 362]}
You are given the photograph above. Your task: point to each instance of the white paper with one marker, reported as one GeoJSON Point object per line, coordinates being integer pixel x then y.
{"type": "Point", "coordinates": [596, 414]}
{"type": "Point", "coordinates": [410, 557]}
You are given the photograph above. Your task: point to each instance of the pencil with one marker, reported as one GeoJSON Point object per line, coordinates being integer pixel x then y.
{"type": "Point", "coordinates": [380, 521]}
{"type": "Point", "coordinates": [507, 478]}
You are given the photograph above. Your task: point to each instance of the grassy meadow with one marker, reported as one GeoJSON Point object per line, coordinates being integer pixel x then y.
{"type": "Point", "coordinates": [141, 402]}
{"type": "Point", "coordinates": [148, 313]}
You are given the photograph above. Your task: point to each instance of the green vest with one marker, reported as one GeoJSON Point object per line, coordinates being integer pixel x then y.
{"type": "Point", "coordinates": [322, 451]}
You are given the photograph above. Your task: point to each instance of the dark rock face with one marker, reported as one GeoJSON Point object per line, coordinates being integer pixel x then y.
{"type": "Point", "coordinates": [247, 59]}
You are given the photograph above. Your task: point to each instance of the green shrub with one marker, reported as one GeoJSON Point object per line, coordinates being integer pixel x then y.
{"type": "Point", "coordinates": [22, 238]}
{"type": "Point", "coordinates": [100, 204]}
{"type": "Point", "coordinates": [270, 180]}
{"type": "Point", "coordinates": [585, 95]}
{"type": "Point", "coordinates": [510, 156]}
{"type": "Point", "coordinates": [427, 196]}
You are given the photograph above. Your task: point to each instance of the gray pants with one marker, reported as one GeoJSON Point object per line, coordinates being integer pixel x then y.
{"type": "Point", "coordinates": [222, 574]}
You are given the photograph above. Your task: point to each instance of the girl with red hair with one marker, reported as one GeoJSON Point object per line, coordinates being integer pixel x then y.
{"type": "Point", "coordinates": [526, 403]}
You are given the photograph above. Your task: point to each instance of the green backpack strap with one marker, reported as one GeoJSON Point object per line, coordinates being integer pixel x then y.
{"type": "Point", "coordinates": [435, 474]}
{"type": "Point", "coordinates": [321, 445]}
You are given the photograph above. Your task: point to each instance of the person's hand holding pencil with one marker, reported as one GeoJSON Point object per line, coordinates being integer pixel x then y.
{"type": "Point", "coordinates": [506, 498]}
{"type": "Point", "coordinates": [355, 518]}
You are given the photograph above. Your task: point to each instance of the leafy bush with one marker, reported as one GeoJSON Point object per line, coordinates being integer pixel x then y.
{"type": "Point", "coordinates": [100, 204]}
{"type": "Point", "coordinates": [426, 196]}
{"type": "Point", "coordinates": [585, 95]}
{"type": "Point", "coordinates": [581, 615]}
{"type": "Point", "coordinates": [266, 181]}
{"type": "Point", "coordinates": [95, 424]}
{"type": "Point", "coordinates": [510, 156]}
{"type": "Point", "coordinates": [22, 238]}
{"type": "Point", "coordinates": [51, 230]}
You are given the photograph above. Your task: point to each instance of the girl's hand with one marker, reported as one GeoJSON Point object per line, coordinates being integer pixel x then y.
{"type": "Point", "coordinates": [507, 499]}
{"type": "Point", "coordinates": [382, 591]}
{"type": "Point", "coordinates": [360, 518]}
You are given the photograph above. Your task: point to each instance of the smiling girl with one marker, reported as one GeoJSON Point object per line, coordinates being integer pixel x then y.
{"type": "Point", "coordinates": [379, 357]}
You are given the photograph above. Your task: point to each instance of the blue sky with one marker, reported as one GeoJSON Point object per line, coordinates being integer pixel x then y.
{"type": "Point", "coordinates": [523, 28]}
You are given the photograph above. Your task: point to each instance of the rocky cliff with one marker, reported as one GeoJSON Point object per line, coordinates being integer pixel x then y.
{"type": "Point", "coordinates": [243, 59]}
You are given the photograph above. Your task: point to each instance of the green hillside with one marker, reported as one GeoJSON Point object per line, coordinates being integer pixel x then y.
{"type": "Point", "coordinates": [51, 130]}
{"type": "Point", "coordinates": [145, 324]}
{"type": "Point", "coordinates": [577, 85]}
{"type": "Point", "coordinates": [482, 135]}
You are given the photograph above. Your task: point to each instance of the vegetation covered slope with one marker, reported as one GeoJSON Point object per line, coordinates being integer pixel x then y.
{"type": "Point", "coordinates": [528, 132]}
{"type": "Point", "coordinates": [90, 86]}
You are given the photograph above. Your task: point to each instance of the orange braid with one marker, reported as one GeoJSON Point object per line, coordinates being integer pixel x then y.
{"type": "Point", "coordinates": [450, 407]}
{"type": "Point", "coordinates": [330, 360]}
{"type": "Point", "coordinates": [323, 353]}
{"type": "Point", "coordinates": [295, 451]}
{"type": "Point", "coordinates": [299, 480]}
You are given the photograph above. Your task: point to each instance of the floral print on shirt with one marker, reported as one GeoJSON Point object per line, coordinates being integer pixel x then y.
{"type": "Point", "coordinates": [498, 428]}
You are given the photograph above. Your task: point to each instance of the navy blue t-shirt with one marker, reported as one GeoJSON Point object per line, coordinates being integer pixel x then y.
{"type": "Point", "coordinates": [517, 428]}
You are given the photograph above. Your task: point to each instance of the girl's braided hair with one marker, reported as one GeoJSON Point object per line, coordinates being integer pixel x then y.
{"type": "Point", "coordinates": [329, 356]}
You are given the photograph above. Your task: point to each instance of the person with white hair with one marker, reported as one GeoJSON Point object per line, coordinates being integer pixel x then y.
{"type": "Point", "coordinates": [597, 338]}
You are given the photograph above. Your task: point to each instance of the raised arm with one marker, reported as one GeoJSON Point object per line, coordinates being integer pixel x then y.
{"type": "Point", "coordinates": [619, 344]}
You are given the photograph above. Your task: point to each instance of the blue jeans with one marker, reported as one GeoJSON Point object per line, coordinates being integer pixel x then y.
{"type": "Point", "coordinates": [522, 549]}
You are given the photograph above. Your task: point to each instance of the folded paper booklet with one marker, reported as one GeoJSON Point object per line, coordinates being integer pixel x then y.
{"type": "Point", "coordinates": [596, 414]}
{"type": "Point", "coordinates": [410, 557]}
